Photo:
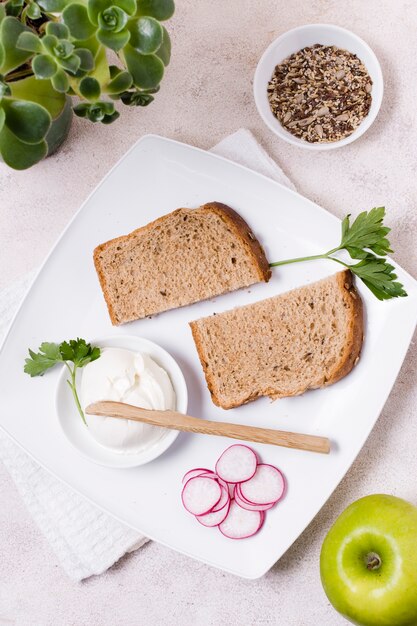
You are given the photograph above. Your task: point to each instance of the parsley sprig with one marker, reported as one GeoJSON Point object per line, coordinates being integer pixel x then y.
{"type": "Point", "coordinates": [366, 241]}
{"type": "Point", "coordinates": [76, 351]}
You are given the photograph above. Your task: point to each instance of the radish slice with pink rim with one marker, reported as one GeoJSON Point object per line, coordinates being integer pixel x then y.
{"type": "Point", "coordinates": [209, 474]}
{"type": "Point", "coordinates": [224, 499]}
{"type": "Point", "coordinates": [241, 523]}
{"type": "Point", "coordinates": [195, 472]}
{"type": "Point", "coordinates": [222, 482]}
{"type": "Point", "coordinates": [248, 505]}
{"type": "Point", "coordinates": [236, 496]}
{"type": "Point", "coordinates": [267, 486]}
{"type": "Point", "coordinates": [200, 494]}
{"type": "Point", "coordinates": [214, 518]}
{"type": "Point", "coordinates": [236, 464]}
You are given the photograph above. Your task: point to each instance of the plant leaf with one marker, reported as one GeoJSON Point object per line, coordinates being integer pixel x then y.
{"type": "Point", "coordinates": [66, 351]}
{"type": "Point", "coordinates": [33, 11]}
{"type": "Point", "coordinates": [160, 9]}
{"type": "Point", "coordinates": [44, 66]}
{"type": "Point", "coordinates": [19, 155]}
{"type": "Point", "coordinates": [90, 88]}
{"type": "Point", "coordinates": [164, 51]}
{"type": "Point", "coordinates": [39, 91]}
{"type": "Point", "coordinates": [379, 277]}
{"type": "Point", "coordinates": [10, 29]}
{"type": "Point", "coordinates": [52, 6]}
{"type": "Point", "coordinates": [2, 118]}
{"type": "Point", "coordinates": [115, 41]}
{"type": "Point", "coordinates": [29, 41]}
{"type": "Point", "coordinates": [146, 35]}
{"type": "Point", "coordinates": [129, 6]}
{"type": "Point", "coordinates": [101, 66]}
{"type": "Point", "coordinates": [39, 362]}
{"type": "Point", "coordinates": [49, 43]}
{"type": "Point", "coordinates": [136, 98]}
{"type": "Point", "coordinates": [113, 19]}
{"type": "Point", "coordinates": [81, 109]}
{"type": "Point", "coordinates": [78, 351]}
{"type": "Point", "coordinates": [86, 59]}
{"type": "Point", "coordinates": [147, 70]}
{"type": "Point", "coordinates": [64, 49]}
{"type": "Point", "coordinates": [109, 119]}
{"type": "Point", "coordinates": [76, 18]}
{"type": "Point", "coordinates": [28, 121]}
{"type": "Point", "coordinates": [120, 83]}
{"type": "Point", "coordinates": [71, 64]}
{"type": "Point", "coordinates": [366, 231]}
{"type": "Point", "coordinates": [95, 112]}
{"type": "Point", "coordinates": [58, 29]}
{"type": "Point", "coordinates": [60, 82]}
{"type": "Point", "coordinates": [95, 7]}
{"type": "Point", "coordinates": [356, 253]}
{"type": "Point", "coordinates": [14, 7]}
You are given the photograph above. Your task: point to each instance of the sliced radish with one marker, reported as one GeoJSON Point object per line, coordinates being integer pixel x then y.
{"type": "Point", "coordinates": [236, 464]}
{"type": "Point", "coordinates": [236, 496]}
{"type": "Point", "coordinates": [214, 518]}
{"type": "Point", "coordinates": [222, 482]}
{"type": "Point", "coordinates": [247, 505]}
{"type": "Point", "coordinates": [224, 499]}
{"type": "Point", "coordinates": [195, 472]}
{"type": "Point", "coordinates": [210, 474]}
{"type": "Point", "coordinates": [265, 487]}
{"type": "Point", "coordinates": [241, 523]}
{"type": "Point", "coordinates": [200, 494]}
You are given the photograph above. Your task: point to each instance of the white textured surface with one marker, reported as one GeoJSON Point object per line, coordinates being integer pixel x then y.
{"type": "Point", "coordinates": [207, 95]}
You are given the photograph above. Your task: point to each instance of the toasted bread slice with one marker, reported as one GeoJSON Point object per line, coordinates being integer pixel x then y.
{"type": "Point", "coordinates": [307, 338]}
{"type": "Point", "coordinates": [183, 257]}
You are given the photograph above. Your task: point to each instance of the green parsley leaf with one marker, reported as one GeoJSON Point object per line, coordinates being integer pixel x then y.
{"type": "Point", "coordinates": [365, 240]}
{"type": "Point", "coordinates": [76, 351]}
{"type": "Point", "coordinates": [366, 231]}
{"type": "Point", "coordinates": [43, 360]}
{"type": "Point", "coordinates": [379, 277]}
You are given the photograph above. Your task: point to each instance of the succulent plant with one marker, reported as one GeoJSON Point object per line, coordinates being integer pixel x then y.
{"type": "Point", "coordinates": [53, 49]}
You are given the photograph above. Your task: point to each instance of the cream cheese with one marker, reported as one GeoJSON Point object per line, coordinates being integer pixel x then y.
{"type": "Point", "coordinates": [126, 376]}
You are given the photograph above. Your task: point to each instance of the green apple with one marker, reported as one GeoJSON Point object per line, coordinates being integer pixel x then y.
{"type": "Point", "coordinates": [368, 562]}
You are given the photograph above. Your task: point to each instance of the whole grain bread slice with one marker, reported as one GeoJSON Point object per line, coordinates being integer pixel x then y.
{"type": "Point", "coordinates": [183, 257]}
{"type": "Point", "coordinates": [303, 339]}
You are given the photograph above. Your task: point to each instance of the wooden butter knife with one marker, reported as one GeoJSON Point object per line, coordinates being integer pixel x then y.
{"type": "Point", "coordinates": [179, 421]}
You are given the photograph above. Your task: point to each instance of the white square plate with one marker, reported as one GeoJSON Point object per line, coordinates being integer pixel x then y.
{"type": "Point", "coordinates": [156, 176]}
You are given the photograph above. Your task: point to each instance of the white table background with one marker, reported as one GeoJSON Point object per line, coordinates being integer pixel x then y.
{"type": "Point", "coordinates": [207, 94]}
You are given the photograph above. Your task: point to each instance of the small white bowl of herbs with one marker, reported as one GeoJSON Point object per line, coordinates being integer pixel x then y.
{"type": "Point", "coordinates": [318, 86]}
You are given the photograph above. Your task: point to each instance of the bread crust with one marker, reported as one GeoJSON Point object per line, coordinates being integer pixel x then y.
{"type": "Point", "coordinates": [350, 358]}
{"type": "Point", "coordinates": [102, 281]}
{"type": "Point", "coordinates": [246, 235]}
{"type": "Point", "coordinates": [227, 214]}
{"type": "Point", "coordinates": [356, 326]}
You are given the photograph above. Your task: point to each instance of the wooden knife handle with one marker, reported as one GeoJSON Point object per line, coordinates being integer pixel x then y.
{"type": "Point", "coordinates": [179, 421]}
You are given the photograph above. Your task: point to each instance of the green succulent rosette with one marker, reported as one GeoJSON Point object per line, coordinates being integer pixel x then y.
{"type": "Point", "coordinates": [52, 49]}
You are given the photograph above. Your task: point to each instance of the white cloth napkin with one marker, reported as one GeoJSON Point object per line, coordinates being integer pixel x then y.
{"type": "Point", "coordinates": [86, 540]}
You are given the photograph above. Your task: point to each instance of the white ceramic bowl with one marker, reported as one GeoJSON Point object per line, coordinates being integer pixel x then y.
{"type": "Point", "coordinates": [77, 433]}
{"type": "Point", "coordinates": [296, 39]}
